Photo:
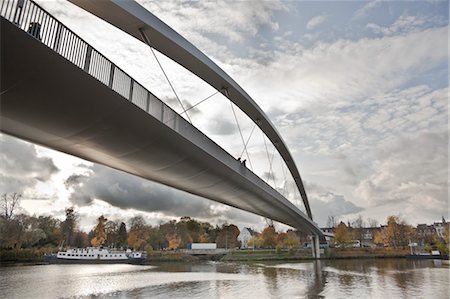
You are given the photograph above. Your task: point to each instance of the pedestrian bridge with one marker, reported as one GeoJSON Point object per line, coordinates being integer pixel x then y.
{"type": "Point", "coordinates": [59, 92]}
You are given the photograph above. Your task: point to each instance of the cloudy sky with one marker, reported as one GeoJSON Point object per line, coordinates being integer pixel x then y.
{"type": "Point", "coordinates": [358, 90]}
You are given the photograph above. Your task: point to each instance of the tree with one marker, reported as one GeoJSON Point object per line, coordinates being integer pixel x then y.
{"type": "Point", "coordinates": [342, 235]}
{"type": "Point", "coordinates": [100, 232]}
{"type": "Point", "coordinates": [269, 237]}
{"type": "Point", "coordinates": [255, 242]}
{"type": "Point", "coordinates": [122, 235]}
{"type": "Point", "coordinates": [291, 239]}
{"type": "Point", "coordinates": [397, 232]}
{"type": "Point", "coordinates": [331, 221]}
{"type": "Point", "coordinates": [138, 234]}
{"type": "Point", "coordinates": [372, 222]}
{"type": "Point", "coordinates": [9, 204]}
{"type": "Point", "coordinates": [69, 225]}
{"type": "Point", "coordinates": [227, 236]}
{"type": "Point", "coordinates": [358, 229]}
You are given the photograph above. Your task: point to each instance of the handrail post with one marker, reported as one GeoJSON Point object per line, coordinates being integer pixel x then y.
{"type": "Point", "coordinates": [18, 12]}
{"type": "Point", "coordinates": [57, 38]}
{"type": "Point", "coordinates": [130, 97]}
{"type": "Point", "coordinates": [111, 76]}
{"type": "Point", "coordinates": [87, 60]}
{"type": "Point", "coordinates": [147, 108]}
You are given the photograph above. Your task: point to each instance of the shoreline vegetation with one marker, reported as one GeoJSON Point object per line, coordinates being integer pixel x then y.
{"type": "Point", "coordinates": [26, 239]}
{"type": "Point", "coordinates": [35, 256]}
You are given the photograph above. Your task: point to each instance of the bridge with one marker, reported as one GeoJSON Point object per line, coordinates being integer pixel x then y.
{"type": "Point", "coordinates": [60, 92]}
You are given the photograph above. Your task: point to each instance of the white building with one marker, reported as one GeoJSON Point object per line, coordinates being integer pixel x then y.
{"type": "Point", "coordinates": [245, 235]}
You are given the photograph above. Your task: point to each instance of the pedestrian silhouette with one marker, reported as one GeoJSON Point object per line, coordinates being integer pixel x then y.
{"type": "Point", "coordinates": [35, 30]}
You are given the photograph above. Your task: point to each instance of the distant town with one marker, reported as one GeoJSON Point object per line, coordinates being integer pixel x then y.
{"type": "Point", "coordinates": [34, 235]}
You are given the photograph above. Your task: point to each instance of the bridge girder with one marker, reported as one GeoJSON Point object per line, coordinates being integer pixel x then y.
{"type": "Point", "coordinates": [132, 18]}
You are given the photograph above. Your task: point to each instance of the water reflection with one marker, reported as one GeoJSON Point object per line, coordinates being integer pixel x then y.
{"type": "Point", "coordinates": [317, 279]}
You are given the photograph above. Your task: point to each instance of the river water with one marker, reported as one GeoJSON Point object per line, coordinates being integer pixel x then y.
{"type": "Point", "coordinates": [389, 278]}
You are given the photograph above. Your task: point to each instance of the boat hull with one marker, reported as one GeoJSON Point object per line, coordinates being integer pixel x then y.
{"type": "Point", "coordinates": [426, 257]}
{"type": "Point", "coordinates": [52, 259]}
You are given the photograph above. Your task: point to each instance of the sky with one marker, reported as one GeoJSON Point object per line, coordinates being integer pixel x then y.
{"type": "Point", "coordinates": [358, 91]}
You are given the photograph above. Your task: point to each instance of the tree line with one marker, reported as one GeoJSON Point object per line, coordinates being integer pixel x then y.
{"type": "Point", "coordinates": [24, 231]}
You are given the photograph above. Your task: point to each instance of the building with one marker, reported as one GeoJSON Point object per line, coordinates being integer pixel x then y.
{"type": "Point", "coordinates": [425, 233]}
{"type": "Point", "coordinates": [440, 228]}
{"type": "Point", "coordinates": [244, 237]}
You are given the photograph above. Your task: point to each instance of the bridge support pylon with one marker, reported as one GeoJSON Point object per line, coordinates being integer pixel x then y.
{"type": "Point", "coordinates": [315, 246]}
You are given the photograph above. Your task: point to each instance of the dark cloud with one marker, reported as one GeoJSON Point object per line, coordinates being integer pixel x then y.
{"type": "Point", "coordinates": [21, 167]}
{"type": "Point", "coordinates": [326, 203]}
{"type": "Point", "coordinates": [126, 191]}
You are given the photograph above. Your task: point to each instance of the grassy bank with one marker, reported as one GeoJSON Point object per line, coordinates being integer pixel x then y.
{"type": "Point", "coordinates": [169, 256]}
{"type": "Point", "coordinates": [267, 255]}
{"type": "Point", "coordinates": [305, 254]}
{"type": "Point", "coordinates": [28, 255]}
{"type": "Point", "coordinates": [36, 255]}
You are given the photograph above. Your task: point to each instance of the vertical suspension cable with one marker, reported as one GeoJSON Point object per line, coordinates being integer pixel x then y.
{"type": "Point", "coordinates": [270, 161]}
{"type": "Point", "coordinates": [242, 137]}
{"type": "Point", "coordinates": [283, 170]}
{"type": "Point", "coordinates": [147, 41]}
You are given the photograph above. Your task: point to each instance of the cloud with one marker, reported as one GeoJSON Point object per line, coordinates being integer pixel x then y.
{"type": "Point", "coordinates": [21, 166]}
{"type": "Point", "coordinates": [412, 171]}
{"type": "Point", "coordinates": [325, 203]}
{"type": "Point", "coordinates": [406, 24]}
{"type": "Point", "coordinates": [232, 21]}
{"type": "Point", "coordinates": [125, 191]}
{"type": "Point", "coordinates": [366, 8]}
{"type": "Point", "coordinates": [315, 22]}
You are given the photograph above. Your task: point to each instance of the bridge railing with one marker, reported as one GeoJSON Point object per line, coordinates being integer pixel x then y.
{"type": "Point", "coordinates": [37, 22]}
{"type": "Point", "coordinates": [41, 25]}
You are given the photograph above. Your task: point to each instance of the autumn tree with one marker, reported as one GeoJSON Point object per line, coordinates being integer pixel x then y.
{"type": "Point", "coordinates": [291, 240]}
{"type": "Point", "coordinates": [397, 232]}
{"type": "Point", "coordinates": [342, 235]}
{"type": "Point", "coordinates": [138, 234]}
{"type": "Point", "coordinates": [100, 232]}
{"type": "Point", "coordinates": [227, 236]}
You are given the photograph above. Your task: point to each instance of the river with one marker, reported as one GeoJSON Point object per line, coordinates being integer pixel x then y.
{"type": "Point", "coordinates": [388, 278]}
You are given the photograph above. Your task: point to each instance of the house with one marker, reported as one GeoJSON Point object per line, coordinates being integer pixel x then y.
{"type": "Point", "coordinates": [425, 233]}
{"type": "Point", "coordinates": [245, 235]}
{"type": "Point", "coordinates": [440, 228]}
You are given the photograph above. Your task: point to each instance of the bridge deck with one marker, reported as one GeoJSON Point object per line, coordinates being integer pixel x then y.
{"type": "Point", "coordinates": [51, 101]}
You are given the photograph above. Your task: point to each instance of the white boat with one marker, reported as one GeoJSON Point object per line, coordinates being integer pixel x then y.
{"type": "Point", "coordinates": [94, 255]}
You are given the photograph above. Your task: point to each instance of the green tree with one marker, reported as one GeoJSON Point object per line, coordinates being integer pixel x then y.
{"type": "Point", "coordinates": [69, 226]}
{"type": "Point", "coordinates": [122, 235]}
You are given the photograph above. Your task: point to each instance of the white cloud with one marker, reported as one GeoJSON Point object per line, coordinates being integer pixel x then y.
{"type": "Point", "coordinates": [366, 8]}
{"type": "Point", "coordinates": [407, 24]}
{"type": "Point", "coordinates": [315, 22]}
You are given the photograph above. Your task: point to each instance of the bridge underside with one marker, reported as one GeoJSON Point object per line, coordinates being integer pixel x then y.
{"type": "Point", "coordinates": [49, 101]}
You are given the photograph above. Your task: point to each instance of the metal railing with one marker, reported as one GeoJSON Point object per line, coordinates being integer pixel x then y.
{"type": "Point", "coordinates": [37, 22]}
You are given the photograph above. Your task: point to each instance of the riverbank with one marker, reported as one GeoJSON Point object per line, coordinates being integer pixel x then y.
{"type": "Point", "coordinates": [35, 256]}
{"type": "Point", "coordinates": [303, 254]}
